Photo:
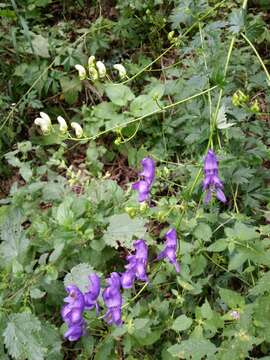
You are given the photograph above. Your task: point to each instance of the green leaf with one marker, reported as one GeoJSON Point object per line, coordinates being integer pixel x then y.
{"type": "Point", "coordinates": [231, 298]}
{"type": "Point", "coordinates": [142, 105]}
{"type": "Point", "coordinates": [236, 21]}
{"type": "Point", "coordinates": [71, 88]}
{"type": "Point", "coordinates": [218, 245]}
{"type": "Point", "coordinates": [41, 46]}
{"type": "Point", "coordinates": [25, 171]}
{"type": "Point", "coordinates": [119, 94]}
{"type": "Point", "coordinates": [14, 241]}
{"type": "Point", "coordinates": [203, 232]}
{"type": "Point", "coordinates": [79, 276]}
{"type": "Point", "coordinates": [22, 339]}
{"type": "Point", "coordinates": [122, 229]}
{"type": "Point", "coordinates": [195, 349]}
{"type": "Point", "coordinates": [35, 293]}
{"type": "Point", "coordinates": [64, 215]}
{"type": "Point", "coordinates": [181, 323]}
{"type": "Point", "coordinates": [262, 286]}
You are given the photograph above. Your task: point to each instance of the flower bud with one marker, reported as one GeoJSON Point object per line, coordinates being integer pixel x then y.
{"type": "Point", "coordinates": [171, 36]}
{"type": "Point", "coordinates": [235, 99]}
{"type": "Point", "coordinates": [44, 122]}
{"type": "Point", "coordinates": [117, 141]}
{"type": "Point", "coordinates": [93, 74]}
{"type": "Point", "coordinates": [143, 207]}
{"type": "Point", "coordinates": [91, 61]}
{"type": "Point", "coordinates": [78, 129]}
{"type": "Point", "coordinates": [121, 70]}
{"type": "Point", "coordinates": [81, 71]}
{"type": "Point", "coordinates": [101, 69]}
{"type": "Point", "coordinates": [130, 211]}
{"type": "Point", "coordinates": [62, 123]}
{"type": "Point", "coordinates": [255, 107]}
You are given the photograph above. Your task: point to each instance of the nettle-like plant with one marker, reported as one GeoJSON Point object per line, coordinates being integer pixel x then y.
{"type": "Point", "coordinates": [82, 245]}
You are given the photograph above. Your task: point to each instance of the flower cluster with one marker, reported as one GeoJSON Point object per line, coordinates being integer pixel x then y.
{"type": "Point", "coordinates": [144, 185]}
{"type": "Point", "coordinates": [136, 267]}
{"type": "Point", "coordinates": [212, 182]}
{"type": "Point", "coordinates": [45, 124]}
{"type": "Point", "coordinates": [113, 300]}
{"type": "Point", "coordinates": [170, 249]}
{"type": "Point", "coordinates": [97, 70]}
{"type": "Point", "coordinates": [77, 302]}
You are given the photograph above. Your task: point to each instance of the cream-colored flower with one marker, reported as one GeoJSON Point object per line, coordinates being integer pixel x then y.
{"type": "Point", "coordinates": [101, 68]}
{"type": "Point", "coordinates": [91, 61]}
{"type": "Point", "coordinates": [93, 74]}
{"type": "Point", "coordinates": [81, 71]}
{"type": "Point", "coordinates": [44, 122]}
{"type": "Point", "coordinates": [78, 129]}
{"type": "Point", "coordinates": [62, 124]}
{"type": "Point", "coordinates": [121, 70]}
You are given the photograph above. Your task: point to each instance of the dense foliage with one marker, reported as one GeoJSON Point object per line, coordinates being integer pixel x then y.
{"type": "Point", "coordinates": [196, 79]}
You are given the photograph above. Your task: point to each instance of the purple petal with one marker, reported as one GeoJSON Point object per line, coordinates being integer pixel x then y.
{"type": "Point", "coordinates": [207, 197]}
{"type": "Point", "coordinates": [127, 279]}
{"type": "Point", "coordinates": [220, 195]}
{"type": "Point", "coordinates": [148, 169]}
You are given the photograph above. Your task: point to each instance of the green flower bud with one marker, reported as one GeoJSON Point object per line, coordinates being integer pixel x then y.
{"type": "Point", "coordinates": [131, 211]}
{"type": "Point", "coordinates": [255, 107]}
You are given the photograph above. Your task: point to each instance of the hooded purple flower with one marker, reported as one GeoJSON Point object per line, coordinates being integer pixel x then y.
{"type": "Point", "coordinates": [169, 251]}
{"type": "Point", "coordinates": [113, 300]}
{"type": "Point", "coordinates": [72, 313]}
{"type": "Point", "coordinates": [136, 267]}
{"type": "Point", "coordinates": [212, 182]}
{"type": "Point", "coordinates": [90, 298]}
{"type": "Point", "coordinates": [148, 174]}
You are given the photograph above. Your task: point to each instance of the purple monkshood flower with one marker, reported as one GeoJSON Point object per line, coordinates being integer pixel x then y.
{"type": "Point", "coordinates": [212, 182]}
{"type": "Point", "coordinates": [148, 174]}
{"type": "Point", "coordinates": [90, 298]}
{"type": "Point", "coordinates": [169, 251]}
{"type": "Point", "coordinates": [113, 300]}
{"type": "Point", "coordinates": [136, 267]}
{"type": "Point", "coordinates": [72, 313]}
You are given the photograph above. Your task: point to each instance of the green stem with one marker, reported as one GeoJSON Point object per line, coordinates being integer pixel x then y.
{"type": "Point", "coordinates": [258, 56]}
{"type": "Point", "coordinates": [144, 116]}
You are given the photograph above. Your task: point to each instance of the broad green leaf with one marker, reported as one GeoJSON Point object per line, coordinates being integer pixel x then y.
{"type": "Point", "coordinates": [203, 232]}
{"type": "Point", "coordinates": [142, 105]}
{"type": "Point", "coordinates": [122, 229]}
{"type": "Point", "coordinates": [181, 323]}
{"type": "Point", "coordinates": [41, 46]}
{"type": "Point", "coordinates": [35, 293]}
{"type": "Point", "coordinates": [218, 245]}
{"type": "Point", "coordinates": [231, 298]}
{"type": "Point", "coordinates": [22, 338]}
{"type": "Point", "coordinates": [26, 171]}
{"type": "Point", "coordinates": [71, 88]}
{"type": "Point", "coordinates": [262, 286]}
{"type": "Point", "coordinates": [195, 349]}
{"type": "Point", "coordinates": [222, 119]}
{"type": "Point", "coordinates": [79, 276]}
{"type": "Point", "coordinates": [119, 94]}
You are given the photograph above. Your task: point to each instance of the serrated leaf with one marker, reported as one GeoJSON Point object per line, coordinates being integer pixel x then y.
{"type": "Point", "coordinates": [79, 276]}
{"type": "Point", "coordinates": [119, 94]}
{"type": "Point", "coordinates": [236, 21]}
{"type": "Point", "coordinates": [231, 298]}
{"type": "Point", "coordinates": [195, 349]}
{"type": "Point", "coordinates": [181, 323]}
{"type": "Point", "coordinates": [14, 241]}
{"type": "Point", "coordinates": [21, 337]}
{"type": "Point", "coordinates": [203, 232]}
{"type": "Point", "coordinates": [262, 286]}
{"type": "Point", "coordinates": [41, 46]}
{"type": "Point", "coordinates": [26, 171]}
{"type": "Point", "coordinates": [71, 88]}
{"type": "Point", "coordinates": [218, 245]}
{"type": "Point", "coordinates": [35, 293]}
{"type": "Point", "coordinates": [122, 229]}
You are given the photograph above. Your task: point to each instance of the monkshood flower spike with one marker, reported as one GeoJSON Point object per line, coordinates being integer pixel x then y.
{"type": "Point", "coordinates": [212, 182]}
{"type": "Point", "coordinates": [148, 174]}
{"type": "Point", "coordinates": [72, 313]}
{"type": "Point", "coordinates": [170, 249]}
{"type": "Point", "coordinates": [136, 267]}
{"type": "Point", "coordinates": [90, 297]}
{"type": "Point", "coordinates": [113, 300]}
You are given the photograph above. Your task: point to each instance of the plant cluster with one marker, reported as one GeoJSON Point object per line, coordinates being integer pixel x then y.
{"type": "Point", "coordinates": [181, 87]}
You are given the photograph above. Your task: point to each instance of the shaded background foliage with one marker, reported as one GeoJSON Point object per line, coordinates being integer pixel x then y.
{"type": "Point", "coordinates": [67, 207]}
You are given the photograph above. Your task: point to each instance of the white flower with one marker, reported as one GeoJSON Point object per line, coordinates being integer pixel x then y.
{"type": "Point", "coordinates": [91, 61]}
{"type": "Point", "coordinates": [44, 122]}
{"type": "Point", "coordinates": [101, 69]}
{"type": "Point", "coordinates": [63, 125]}
{"type": "Point", "coordinates": [121, 70]}
{"type": "Point", "coordinates": [78, 129]}
{"type": "Point", "coordinates": [81, 70]}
